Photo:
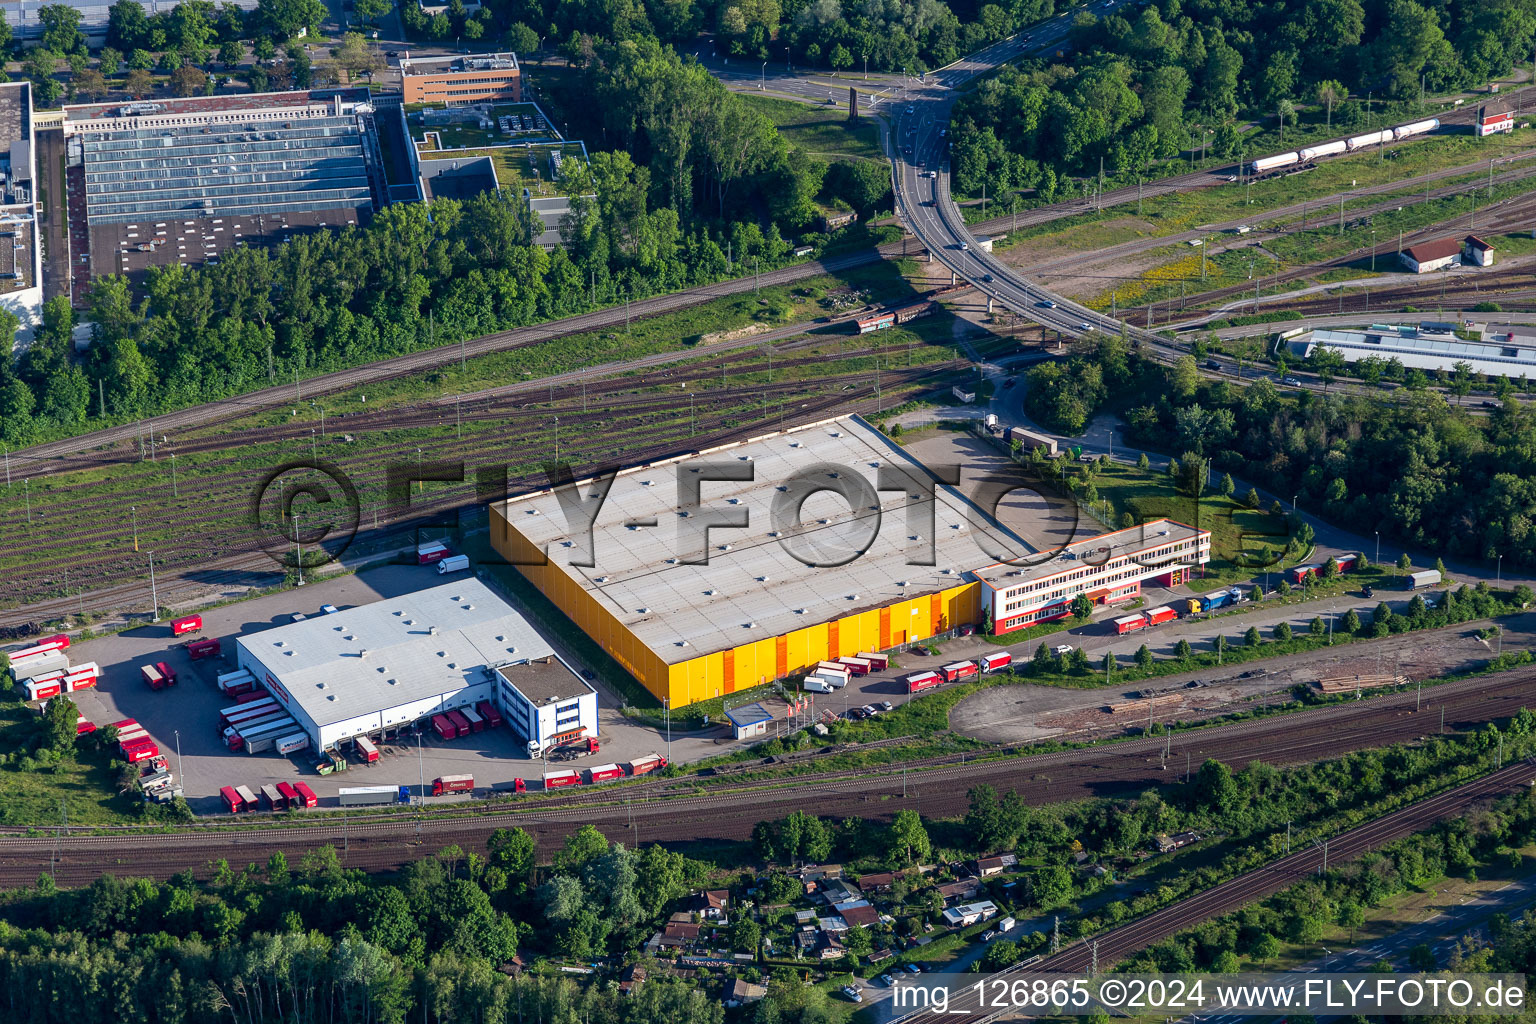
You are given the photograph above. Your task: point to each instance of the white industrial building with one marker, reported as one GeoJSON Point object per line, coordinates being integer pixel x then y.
{"type": "Point", "coordinates": [546, 703]}
{"type": "Point", "coordinates": [1427, 257]}
{"type": "Point", "coordinates": [393, 663]}
{"type": "Point", "coordinates": [1503, 351]}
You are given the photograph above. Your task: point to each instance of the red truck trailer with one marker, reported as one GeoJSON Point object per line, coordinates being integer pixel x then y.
{"type": "Point", "coordinates": [1161, 614]}
{"type": "Point", "coordinates": [82, 677]}
{"type": "Point", "coordinates": [858, 666]}
{"type": "Point", "coordinates": [444, 728]}
{"type": "Point", "coordinates": [82, 726]}
{"type": "Point", "coordinates": [564, 777]}
{"type": "Point", "coordinates": [152, 677]}
{"type": "Point", "coordinates": [922, 681]}
{"type": "Point", "coordinates": [240, 712]}
{"type": "Point", "coordinates": [45, 687]}
{"type": "Point", "coordinates": [250, 798]}
{"type": "Point", "coordinates": [366, 751]}
{"type": "Point", "coordinates": [957, 670]}
{"type": "Point", "coordinates": [197, 650]}
{"type": "Point", "coordinates": [476, 723]}
{"type": "Point", "coordinates": [1130, 623]}
{"type": "Point", "coordinates": [141, 751]}
{"type": "Point", "coordinates": [648, 763]}
{"type": "Point", "coordinates": [274, 798]}
{"type": "Point", "coordinates": [993, 662]}
{"type": "Point", "coordinates": [307, 796]}
{"type": "Point", "coordinates": [459, 722]}
{"type": "Point", "coordinates": [233, 802]}
{"type": "Point", "coordinates": [1346, 562]}
{"type": "Point", "coordinates": [46, 646]}
{"type": "Point", "coordinates": [604, 772]}
{"type": "Point", "coordinates": [453, 784]}
{"type": "Point", "coordinates": [189, 624]}
{"type": "Point", "coordinates": [291, 796]}
{"type": "Point", "coordinates": [877, 662]}
{"type": "Point", "coordinates": [432, 551]}
{"type": "Point", "coordinates": [489, 713]}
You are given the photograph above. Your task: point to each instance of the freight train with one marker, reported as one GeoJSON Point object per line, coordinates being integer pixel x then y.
{"type": "Point", "coordinates": [1310, 154]}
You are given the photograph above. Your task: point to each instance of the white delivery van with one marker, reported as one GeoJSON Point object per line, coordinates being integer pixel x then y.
{"type": "Point", "coordinates": [453, 563]}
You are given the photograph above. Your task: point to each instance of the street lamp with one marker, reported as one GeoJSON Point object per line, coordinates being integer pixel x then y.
{"type": "Point", "coordinates": [154, 595]}
{"type": "Point", "coordinates": [866, 67]}
{"type": "Point", "coordinates": [175, 493]}
{"type": "Point", "coordinates": [1499, 580]}
{"type": "Point", "coordinates": [134, 511]}
{"type": "Point", "coordinates": [1378, 547]}
{"type": "Point", "coordinates": [666, 703]}
{"type": "Point", "coordinates": [298, 544]}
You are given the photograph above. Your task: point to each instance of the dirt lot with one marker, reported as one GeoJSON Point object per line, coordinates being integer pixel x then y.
{"type": "Point", "coordinates": [1026, 712]}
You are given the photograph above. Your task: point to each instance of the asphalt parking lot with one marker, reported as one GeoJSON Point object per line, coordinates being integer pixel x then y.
{"type": "Point", "coordinates": [186, 716]}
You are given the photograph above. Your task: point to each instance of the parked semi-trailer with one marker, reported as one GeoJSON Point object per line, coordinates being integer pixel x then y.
{"type": "Point", "coordinates": [856, 666]}
{"type": "Point", "coordinates": [459, 721]}
{"type": "Point", "coordinates": [46, 687]}
{"type": "Point", "coordinates": [293, 744]}
{"type": "Point", "coordinates": [45, 647]}
{"type": "Point", "coordinates": [359, 796]}
{"type": "Point", "coordinates": [1215, 599]}
{"type": "Point", "coordinates": [564, 777]}
{"type": "Point", "coordinates": [274, 800]}
{"type": "Point", "coordinates": [307, 796]}
{"type": "Point", "coordinates": [241, 724]}
{"type": "Point", "coordinates": [189, 624]}
{"type": "Point", "coordinates": [604, 772]}
{"type": "Point", "coordinates": [993, 662]}
{"type": "Point", "coordinates": [197, 650]}
{"type": "Point", "coordinates": [833, 669]}
{"type": "Point", "coordinates": [367, 753]}
{"type": "Point", "coordinates": [1162, 613]}
{"type": "Point", "coordinates": [453, 784]}
{"type": "Point", "coordinates": [476, 723]}
{"type": "Point", "coordinates": [958, 670]}
{"type": "Point", "coordinates": [291, 798]}
{"type": "Point", "coordinates": [255, 704]}
{"type": "Point", "coordinates": [82, 677]}
{"type": "Point", "coordinates": [432, 551]}
{"type": "Point", "coordinates": [922, 681]}
{"type": "Point", "coordinates": [151, 675]}
{"type": "Point", "coordinates": [1130, 623]}
{"type": "Point", "coordinates": [648, 763]}
{"type": "Point", "coordinates": [489, 712]}
{"type": "Point", "coordinates": [43, 664]}
{"type": "Point", "coordinates": [877, 662]}
{"type": "Point", "coordinates": [83, 726]}
{"type": "Point", "coordinates": [233, 801]}
{"type": "Point", "coordinates": [233, 684]}
{"type": "Point", "coordinates": [444, 728]}
{"type": "Point", "coordinates": [833, 679]}
{"type": "Point", "coordinates": [264, 739]}
{"type": "Point", "coordinates": [1417, 580]}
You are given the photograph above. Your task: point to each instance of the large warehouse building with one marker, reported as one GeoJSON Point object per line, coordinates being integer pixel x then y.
{"type": "Point", "coordinates": [182, 180]}
{"type": "Point", "coordinates": [383, 666]}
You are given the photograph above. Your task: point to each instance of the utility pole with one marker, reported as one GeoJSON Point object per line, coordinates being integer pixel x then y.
{"type": "Point", "coordinates": [175, 493]}
{"type": "Point", "coordinates": [154, 595]}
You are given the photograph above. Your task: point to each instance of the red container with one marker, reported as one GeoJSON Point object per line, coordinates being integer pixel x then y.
{"type": "Point", "coordinates": [290, 795]}
{"type": "Point", "coordinates": [152, 677]}
{"type": "Point", "coordinates": [604, 772]}
{"type": "Point", "coordinates": [444, 728]}
{"type": "Point", "coordinates": [1130, 623]}
{"type": "Point", "coordinates": [856, 666]}
{"type": "Point", "coordinates": [232, 801]}
{"type": "Point", "coordinates": [557, 780]}
{"type": "Point", "coordinates": [519, 786]}
{"type": "Point", "coordinates": [489, 713]}
{"type": "Point", "coordinates": [200, 649]}
{"type": "Point", "coordinates": [1346, 562]}
{"type": "Point", "coordinates": [432, 551]}
{"type": "Point", "coordinates": [190, 624]}
{"type": "Point", "coordinates": [923, 681]}
{"type": "Point", "coordinates": [877, 662]}
{"type": "Point", "coordinates": [141, 751]}
{"type": "Point", "coordinates": [453, 784]}
{"type": "Point", "coordinates": [648, 763]}
{"type": "Point", "coordinates": [168, 672]}
{"type": "Point", "coordinates": [306, 795]}
{"type": "Point", "coordinates": [252, 697]}
{"type": "Point", "coordinates": [460, 723]}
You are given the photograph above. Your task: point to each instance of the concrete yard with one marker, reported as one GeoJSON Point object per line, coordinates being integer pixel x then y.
{"type": "Point", "coordinates": [189, 711]}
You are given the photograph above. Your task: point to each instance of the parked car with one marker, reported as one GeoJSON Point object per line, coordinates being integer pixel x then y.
{"type": "Point", "coordinates": [988, 279]}
{"type": "Point", "coordinates": [886, 705]}
{"type": "Point", "coordinates": [1211, 364]}
{"type": "Point", "coordinates": [1368, 592]}
{"type": "Point", "coordinates": [1062, 649]}
{"type": "Point", "coordinates": [1290, 382]}
{"type": "Point", "coordinates": [870, 710]}
{"type": "Point", "coordinates": [914, 969]}
{"type": "Point", "coordinates": [852, 993]}
{"type": "Point", "coordinates": [885, 979]}
{"type": "Point", "coordinates": [856, 714]}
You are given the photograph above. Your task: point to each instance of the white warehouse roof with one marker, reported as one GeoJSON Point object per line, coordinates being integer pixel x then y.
{"type": "Point", "coordinates": [1417, 349]}
{"type": "Point", "coordinates": [401, 649]}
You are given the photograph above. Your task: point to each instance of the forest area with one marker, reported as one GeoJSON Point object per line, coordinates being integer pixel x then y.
{"type": "Point", "coordinates": [1429, 472]}
{"type": "Point", "coordinates": [1148, 82]}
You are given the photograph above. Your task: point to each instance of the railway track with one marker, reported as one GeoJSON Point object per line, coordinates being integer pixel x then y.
{"type": "Point", "coordinates": [1114, 945]}
{"type": "Point", "coordinates": [663, 810]}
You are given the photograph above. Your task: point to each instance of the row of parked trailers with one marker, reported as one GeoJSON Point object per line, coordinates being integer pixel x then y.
{"type": "Point", "coordinates": [450, 725]}
{"type": "Point", "coordinates": [830, 675]}
{"type": "Point", "coordinates": [258, 723]}
{"type": "Point", "coordinates": [958, 671]}
{"type": "Point", "coordinates": [1307, 155]}
{"type": "Point", "coordinates": [598, 773]}
{"type": "Point", "coordinates": [134, 741]}
{"type": "Point", "coordinates": [1301, 573]}
{"type": "Point", "coordinates": [1141, 620]}
{"type": "Point", "coordinates": [278, 797]}
{"type": "Point", "coordinates": [65, 680]}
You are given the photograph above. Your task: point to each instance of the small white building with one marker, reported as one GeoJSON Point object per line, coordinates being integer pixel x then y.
{"type": "Point", "coordinates": [1427, 257]}
{"type": "Point", "coordinates": [1477, 252]}
{"type": "Point", "coordinates": [967, 914]}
